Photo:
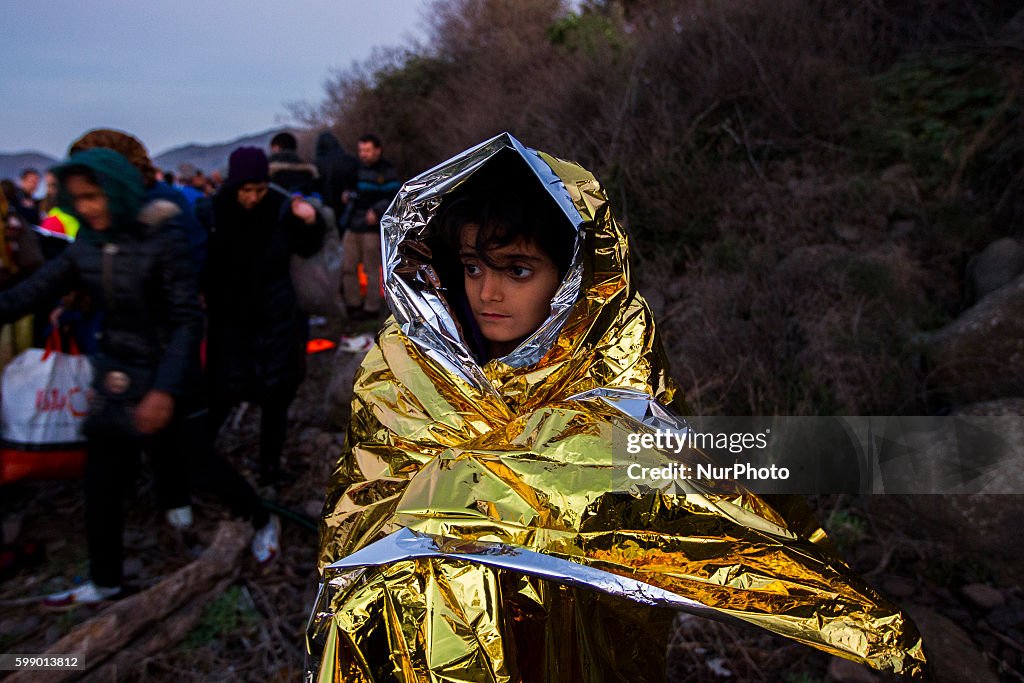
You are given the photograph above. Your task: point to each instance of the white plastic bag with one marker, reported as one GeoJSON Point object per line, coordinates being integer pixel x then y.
{"type": "Point", "coordinates": [317, 279]}
{"type": "Point", "coordinates": [45, 398]}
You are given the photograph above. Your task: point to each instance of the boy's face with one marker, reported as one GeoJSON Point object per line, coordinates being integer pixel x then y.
{"type": "Point", "coordinates": [510, 302]}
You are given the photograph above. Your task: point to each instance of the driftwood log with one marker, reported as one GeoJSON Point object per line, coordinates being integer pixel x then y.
{"type": "Point", "coordinates": [148, 622]}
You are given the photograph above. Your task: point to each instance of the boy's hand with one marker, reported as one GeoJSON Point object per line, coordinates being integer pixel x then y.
{"type": "Point", "coordinates": [154, 411]}
{"type": "Point", "coordinates": [303, 210]}
{"type": "Point", "coordinates": [371, 217]}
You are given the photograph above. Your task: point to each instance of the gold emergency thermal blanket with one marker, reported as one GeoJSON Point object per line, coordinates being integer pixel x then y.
{"type": "Point", "coordinates": [476, 528]}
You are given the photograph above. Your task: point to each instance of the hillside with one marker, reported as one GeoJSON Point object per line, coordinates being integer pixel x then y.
{"type": "Point", "coordinates": [12, 163]}
{"type": "Point", "coordinates": [803, 205]}
{"type": "Point", "coordinates": [211, 157]}
{"type": "Point", "coordinates": [206, 157]}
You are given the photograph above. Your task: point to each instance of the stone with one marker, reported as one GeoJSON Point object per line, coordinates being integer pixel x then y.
{"type": "Point", "coordinates": [994, 267]}
{"type": "Point", "coordinates": [132, 567]}
{"type": "Point", "coordinates": [313, 508]}
{"type": "Point", "coordinates": [29, 624]}
{"type": "Point", "coordinates": [898, 587]}
{"type": "Point", "coordinates": [1005, 617]}
{"type": "Point", "coordinates": [952, 656]}
{"type": "Point", "coordinates": [339, 389]}
{"type": "Point", "coordinates": [656, 300]}
{"type": "Point", "coordinates": [11, 528]}
{"type": "Point", "coordinates": [980, 355]}
{"type": "Point", "coordinates": [903, 228]}
{"type": "Point", "coordinates": [984, 596]}
{"type": "Point", "coordinates": [898, 173]}
{"type": "Point", "coordinates": [846, 232]}
{"type": "Point", "coordinates": [869, 555]}
{"type": "Point", "coordinates": [845, 671]}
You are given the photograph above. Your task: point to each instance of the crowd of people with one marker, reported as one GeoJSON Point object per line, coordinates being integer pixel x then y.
{"type": "Point", "coordinates": [180, 288]}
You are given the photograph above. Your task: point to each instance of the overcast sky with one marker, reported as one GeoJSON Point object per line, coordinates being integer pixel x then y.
{"type": "Point", "coordinates": [178, 71]}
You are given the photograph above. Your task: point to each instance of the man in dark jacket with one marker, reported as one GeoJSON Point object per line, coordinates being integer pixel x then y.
{"type": "Point", "coordinates": [288, 170]}
{"type": "Point", "coordinates": [377, 183]}
{"type": "Point", "coordinates": [257, 333]}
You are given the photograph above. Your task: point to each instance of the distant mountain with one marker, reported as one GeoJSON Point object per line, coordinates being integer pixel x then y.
{"type": "Point", "coordinates": [206, 157]}
{"type": "Point", "coordinates": [12, 163]}
{"type": "Point", "coordinates": [211, 157]}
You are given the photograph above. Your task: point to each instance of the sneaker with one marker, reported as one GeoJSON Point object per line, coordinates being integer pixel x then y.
{"type": "Point", "coordinates": [266, 544]}
{"type": "Point", "coordinates": [360, 343]}
{"type": "Point", "coordinates": [180, 518]}
{"type": "Point", "coordinates": [86, 594]}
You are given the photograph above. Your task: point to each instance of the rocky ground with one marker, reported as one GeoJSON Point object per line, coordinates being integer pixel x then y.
{"type": "Point", "coordinates": [256, 630]}
{"type": "Point", "coordinates": [952, 562]}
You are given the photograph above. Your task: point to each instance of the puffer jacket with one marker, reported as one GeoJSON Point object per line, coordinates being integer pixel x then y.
{"type": "Point", "coordinates": [146, 288]}
{"type": "Point", "coordinates": [140, 273]}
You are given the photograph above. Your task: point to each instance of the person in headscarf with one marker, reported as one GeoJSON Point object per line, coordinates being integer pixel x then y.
{"type": "Point", "coordinates": [257, 332]}
{"type": "Point", "coordinates": [478, 526]}
{"type": "Point", "coordinates": [144, 281]}
{"type": "Point", "coordinates": [132, 149]}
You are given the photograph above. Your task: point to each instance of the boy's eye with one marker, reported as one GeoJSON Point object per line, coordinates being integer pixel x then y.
{"type": "Point", "coordinates": [472, 269]}
{"type": "Point", "coordinates": [520, 272]}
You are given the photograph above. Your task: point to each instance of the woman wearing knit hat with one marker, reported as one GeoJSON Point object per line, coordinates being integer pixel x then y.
{"type": "Point", "coordinates": [257, 333]}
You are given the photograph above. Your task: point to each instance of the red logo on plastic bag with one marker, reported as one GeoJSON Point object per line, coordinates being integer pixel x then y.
{"type": "Point", "coordinates": [74, 400]}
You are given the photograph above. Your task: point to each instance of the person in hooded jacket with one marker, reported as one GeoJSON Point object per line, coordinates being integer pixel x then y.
{"type": "Point", "coordinates": [132, 149]}
{"type": "Point", "coordinates": [78, 313]}
{"type": "Point", "coordinates": [288, 170]}
{"type": "Point", "coordinates": [144, 280]}
{"type": "Point", "coordinates": [337, 173]}
{"type": "Point", "coordinates": [257, 333]}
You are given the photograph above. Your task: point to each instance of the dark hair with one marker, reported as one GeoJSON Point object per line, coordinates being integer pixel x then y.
{"type": "Point", "coordinates": [28, 171]}
{"type": "Point", "coordinates": [128, 146]}
{"type": "Point", "coordinates": [284, 140]}
{"type": "Point", "coordinates": [370, 137]}
{"type": "Point", "coordinates": [509, 204]}
{"type": "Point", "coordinates": [505, 217]}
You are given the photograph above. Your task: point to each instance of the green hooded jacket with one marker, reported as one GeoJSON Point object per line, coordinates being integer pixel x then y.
{"type": "Point", "coordinates": [121, 183]}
